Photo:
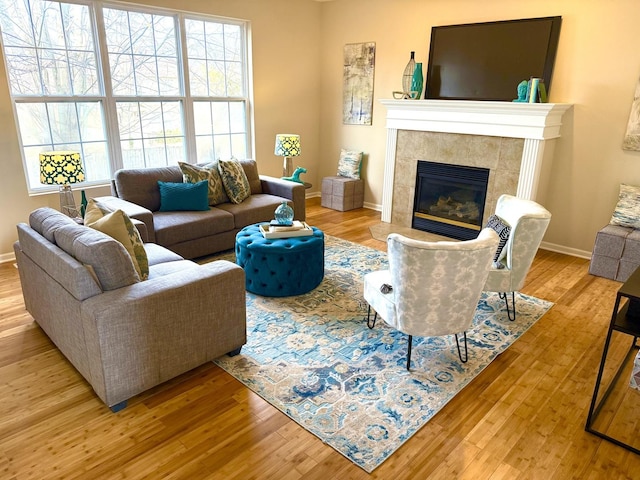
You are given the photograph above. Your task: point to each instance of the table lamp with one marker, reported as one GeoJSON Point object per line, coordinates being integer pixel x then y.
{"type": "Point", "coordinates": [62, 168]}
{"type": "Point", "coordinates": [287, 146]}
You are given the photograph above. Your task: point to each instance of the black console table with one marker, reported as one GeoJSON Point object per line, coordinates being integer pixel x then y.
{"type": "Point", "coordinates": [627, 321]}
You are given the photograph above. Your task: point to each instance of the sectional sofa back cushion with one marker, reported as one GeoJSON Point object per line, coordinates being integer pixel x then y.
{"type": "Point", "coordinates": [107, 257]}
{"type": "Point", "coordinates": [72, 275]}
{"type": "Point", "coordinates": [250, 168]}
{"type": "Point", "coordinates": [140, 185]}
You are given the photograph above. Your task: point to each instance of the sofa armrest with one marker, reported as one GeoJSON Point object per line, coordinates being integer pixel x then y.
{"type": "Point", "coordinates": [135, 212]}
{"type": "Point", "coordinates": [149, 332]}
{"type": "Point", "coordinates": [293, 191]}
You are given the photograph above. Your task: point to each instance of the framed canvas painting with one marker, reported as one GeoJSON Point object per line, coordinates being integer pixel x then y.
{"type": "Point", "coordinates": [357, 97]}
{"type": "Point", "coordinates": [632, 137]}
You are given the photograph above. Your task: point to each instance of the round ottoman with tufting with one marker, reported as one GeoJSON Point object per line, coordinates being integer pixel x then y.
{"type": "Point", "coordinates": [280, 267]}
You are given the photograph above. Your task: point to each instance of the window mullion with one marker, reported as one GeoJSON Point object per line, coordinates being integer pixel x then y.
{"type": "Point", "coordinates": [189, 124]}
{"type": "Point", "coordinates": [110, 113]}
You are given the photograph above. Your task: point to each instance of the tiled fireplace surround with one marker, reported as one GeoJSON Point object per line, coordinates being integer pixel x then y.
{"type": "Point", "coordinates": [509, 139]}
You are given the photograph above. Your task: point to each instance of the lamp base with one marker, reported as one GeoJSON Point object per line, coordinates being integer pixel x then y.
{"type": "Point", "coordinates": [67, 202]}
{"type": "Point", "coordinates": [287, 167]}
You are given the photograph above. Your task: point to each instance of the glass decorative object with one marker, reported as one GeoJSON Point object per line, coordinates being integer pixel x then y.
{"type": "Point", "coordinates": [407, 77]}
{"type": "Point", "coordinates": [284, 214]}
{"type": "Point", "coordinates": [416, 82]}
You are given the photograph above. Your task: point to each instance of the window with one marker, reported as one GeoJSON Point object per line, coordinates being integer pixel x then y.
{"type": "Point", "coordinates": [153, 100]}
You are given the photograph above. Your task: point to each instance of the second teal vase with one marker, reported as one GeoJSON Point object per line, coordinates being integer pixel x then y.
{"type": "Point", "coordinates": [416, 82]}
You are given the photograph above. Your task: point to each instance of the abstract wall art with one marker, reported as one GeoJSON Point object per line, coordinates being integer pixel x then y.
{"type": "Point", "coordinates": [359, 64]}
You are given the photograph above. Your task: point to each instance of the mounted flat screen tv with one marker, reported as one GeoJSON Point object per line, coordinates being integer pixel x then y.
{"type": "Point", "coordinates": [486, 61]}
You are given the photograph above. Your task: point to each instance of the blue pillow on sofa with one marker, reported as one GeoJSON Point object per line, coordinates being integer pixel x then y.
{"type": "Point", "coordinates": [184, 196]}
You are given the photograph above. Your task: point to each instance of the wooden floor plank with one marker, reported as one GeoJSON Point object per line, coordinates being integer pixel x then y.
{"type": "Point", "coordinates": [522, 417]}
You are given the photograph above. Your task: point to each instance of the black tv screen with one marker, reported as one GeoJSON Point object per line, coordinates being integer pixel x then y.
{"type": "Point", "coordinates": [486, 61]}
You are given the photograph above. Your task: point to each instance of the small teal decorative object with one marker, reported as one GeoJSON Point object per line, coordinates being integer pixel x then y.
{"type": "Point", "coordinates": [284, 214]}
{"type": "Point", "coordinates": [296, 175]}
{"type": "Point", "coordinates": [416, 82]}
{"type": "Point", "coordinates": [522, 91]}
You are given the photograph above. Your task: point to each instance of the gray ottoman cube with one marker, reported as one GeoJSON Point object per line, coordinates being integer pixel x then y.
{"type": "Point", "coordinates": [616, 253]}
{"type": "Point", "coordinates": [342, 193]}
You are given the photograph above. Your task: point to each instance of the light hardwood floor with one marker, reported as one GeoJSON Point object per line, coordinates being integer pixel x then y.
{"type": "Point", "coordinates": [523, 417]}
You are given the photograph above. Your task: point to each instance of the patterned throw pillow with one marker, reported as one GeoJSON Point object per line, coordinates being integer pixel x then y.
{"type": "Point", "coordinates": [118, 226]}
{"type": "Point", "coordinates": [503, 229]}
{"type": "Point", "coordinates": [234, 180]}
{"type": "Point", "coordinates": [176, 197]}
{"type": "Point", "coordinates": [349, 164]}
{"type": "Point", "coordinates": [627, 212]}
{"type": "Point", "coordinates": [196, 173]}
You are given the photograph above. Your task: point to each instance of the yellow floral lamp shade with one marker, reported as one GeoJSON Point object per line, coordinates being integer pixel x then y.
{"type": "Point", "coordinates": [61, 168]}
{"type": "Point", "coordinates": [287, 145]}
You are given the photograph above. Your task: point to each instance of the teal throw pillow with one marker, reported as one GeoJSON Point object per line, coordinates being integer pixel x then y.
{"type": "Point", "coordinates": [184, 196]}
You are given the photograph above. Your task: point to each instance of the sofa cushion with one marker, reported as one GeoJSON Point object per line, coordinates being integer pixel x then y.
{"type": "Point", "coordinates": [208, 172]}
{"type": "Point", "coordinates": [256, 208]}
{"type": "Point", "coordinates": [179, 197]}
{"type": "Point", "coordinates": [46, 221]}
{"type": "Point", "coordinates": [118, 226]}
{"type": "Point", "coordinates": [158, 254]}
{"type": "Point", "coordinates": [250, 168]}
{"type": "Point", "coordinates": [140, 185]}
{"type": "Point", "coordinates": [167, 268]}
{"type": "Point", "coordinates": [177, 227]}
{"type": "Point", "coordinates": [234, 180]}
{"type": "Point", "coordinates": [107, 257]}
{"type": "Point", "coordinates": [74, 277]}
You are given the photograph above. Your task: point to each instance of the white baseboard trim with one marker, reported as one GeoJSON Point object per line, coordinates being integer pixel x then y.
{"type": "Point", "coordinates": [7, 257]}
{"type": "Point", "coordinates": [373, 206]}
{"type": "Point", "coordinates": [574, 252]}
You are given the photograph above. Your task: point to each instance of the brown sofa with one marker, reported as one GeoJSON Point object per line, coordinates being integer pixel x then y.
{"type": "Point", "coordinates": [122, 334]}
{"type": "Point", "coordinates": [194, 234]}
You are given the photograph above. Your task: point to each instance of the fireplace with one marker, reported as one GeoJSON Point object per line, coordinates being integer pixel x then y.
{"type": "Point", "coordinates": [511, 139]}
{"type": "Point", "coordinates": [450, 199]}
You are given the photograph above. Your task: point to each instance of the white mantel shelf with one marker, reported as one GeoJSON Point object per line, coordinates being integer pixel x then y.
{"type": "Point", "coordinates": [539, 121]}
{"type": "Point", "coordinates": [534, 122]}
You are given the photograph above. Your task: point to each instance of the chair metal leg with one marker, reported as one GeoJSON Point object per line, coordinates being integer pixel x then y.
{"type": "Point", "coordinates": [371, 324]}
{"type": "Point", "coordinates": [409, 351]}
{"type": "Point", "coordinates": [511, 312]}
{"type": "Point", "coordinates": [466, 353]}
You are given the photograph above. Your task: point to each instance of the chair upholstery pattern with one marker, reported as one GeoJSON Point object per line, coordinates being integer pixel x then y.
{"type": "Point", "coordinates": [435, 285]}
{"type": "Point", "coordinates": [529, 222]}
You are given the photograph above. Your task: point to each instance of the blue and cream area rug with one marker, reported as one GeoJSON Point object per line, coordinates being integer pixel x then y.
{"type": "Point", "coordinates": [313, 357]}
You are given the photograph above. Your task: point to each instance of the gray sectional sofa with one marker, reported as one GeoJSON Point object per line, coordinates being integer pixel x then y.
{"type": "Point", "coordinates": [194, 234]}
{"type": "Point", "coordinates": [122, 334]}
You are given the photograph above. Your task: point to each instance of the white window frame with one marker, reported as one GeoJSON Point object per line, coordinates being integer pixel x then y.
{"type": "Point", "coordinates": [109, 100]}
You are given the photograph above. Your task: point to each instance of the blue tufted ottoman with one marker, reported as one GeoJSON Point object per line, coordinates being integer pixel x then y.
{"type": "Point", "coordinates": [280, 267]}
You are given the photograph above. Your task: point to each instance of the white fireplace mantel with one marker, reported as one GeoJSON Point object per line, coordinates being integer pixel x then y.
{"type": "Point", "coordinates": [534, 122]}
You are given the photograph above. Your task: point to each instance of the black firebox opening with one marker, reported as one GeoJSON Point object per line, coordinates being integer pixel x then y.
{"type": "Point", "coordinates": [449, 199]}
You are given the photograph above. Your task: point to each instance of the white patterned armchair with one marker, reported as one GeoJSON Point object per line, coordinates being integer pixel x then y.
{"type": "Point", "coordinates": [529, 222]}
{"type": "Point", "coordinates": [435, 285]}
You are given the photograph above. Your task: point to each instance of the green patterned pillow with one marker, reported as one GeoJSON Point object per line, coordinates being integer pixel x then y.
{"type": "Point", "coordinates": [349, 164]}
{"type": "Point", "coordinates": [627, 212]}
{"type": "Point", "coordinates": [234, 180]}
{"type": "Point", "coordinates": [118, 226]}
{"type": "Point", "coordinates": [196, 173]}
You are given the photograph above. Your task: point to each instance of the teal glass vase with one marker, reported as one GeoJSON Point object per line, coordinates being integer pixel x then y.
{"type": "Point", "coordinates": [416, 82]}
{"type": "Point", "coordinates": [284, 214]}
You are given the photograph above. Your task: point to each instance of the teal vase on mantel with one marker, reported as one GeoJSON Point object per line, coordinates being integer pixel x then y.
{"type": "Point", "coordinates": [416, 82]}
